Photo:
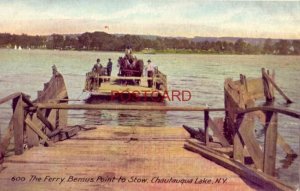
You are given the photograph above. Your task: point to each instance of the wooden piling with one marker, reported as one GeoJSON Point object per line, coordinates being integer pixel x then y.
{"type": "Point", "coordinates": [18, 124]}
{"type": "Point", "coordinates": [265, 75]}
{"type": "Point", "coordinates": [37, 131]}
{"type": "Point", "coordinates": [246, 131]}
{"type": "Point", "coordinates": [268, 88]}
{"type": "Point", "coordinates": [270, 143]}
{"type": "Point", "coordinates": [206, 118]}
{"type": "Point", "coordinates": [238, 148]}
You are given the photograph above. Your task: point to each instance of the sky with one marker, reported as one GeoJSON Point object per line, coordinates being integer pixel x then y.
{"type": "Point", "coordinates": [186, 18]}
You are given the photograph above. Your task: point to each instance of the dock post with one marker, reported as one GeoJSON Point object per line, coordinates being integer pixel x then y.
{"type": "Point", "coordinates": [206, 120]}
{"type": "Point", "coordinates": [270, 143]}
{"type": "Point", "coordinates": [18, 125]}
{"type": "Point", "coordinates": [268, 88]}
{"type": "Point", "coordinates": [238, 148]}
{"type": "Point", "coordinates": [57, 118]}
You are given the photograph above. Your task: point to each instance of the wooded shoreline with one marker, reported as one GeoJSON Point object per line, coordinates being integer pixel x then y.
{"type": "Point", "coordinates": [175, 52]}
{"type": "Point", "coordinates": [101, 41]}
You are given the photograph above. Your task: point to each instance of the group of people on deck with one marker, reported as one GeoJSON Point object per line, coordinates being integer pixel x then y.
{"type": "Point", "coordinates": [98, 68]}
{"type": "Point", "coordinates": [130, 61]}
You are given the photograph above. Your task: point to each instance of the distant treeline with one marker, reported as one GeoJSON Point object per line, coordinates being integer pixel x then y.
{"type": "Point", "coordinates": [102, 41]}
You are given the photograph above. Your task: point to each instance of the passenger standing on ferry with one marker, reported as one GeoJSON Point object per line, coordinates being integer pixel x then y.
{"type": "Point", "coordinates": [97, 69]}
{"type": "Point", "coordinates": [150, 72]}
{"type": "Point", "coordinates": [109, 67]}
{"type": "Point", "coordinates": [96, 66]}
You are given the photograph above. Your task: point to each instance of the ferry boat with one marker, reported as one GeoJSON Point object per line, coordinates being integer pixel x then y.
{"type": "Point", "coordinates": [131, 83]}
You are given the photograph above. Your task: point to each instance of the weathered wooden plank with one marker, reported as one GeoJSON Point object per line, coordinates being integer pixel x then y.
{"type": "Point", "coordinates": [99, 155]}
{"type": "Point", "coordinates": [123, 107]}
{"type": "Point", "coordinates": [62, 116]}
{"type": "Point", "coordinates": [243, 81]}
{"type": "Point", "coordinates": [10, 97]}
{"type": "Point", "coordinates": [37, 131]}
{"type": "Point", "coordinates": [267, 182]}
{"type": "Point", "coordinates": [238, 149]}
{"type": "Point", "coordinates": [282, 110]}
{"type": "Point", "coordinates": [65, 133]}
{"type": "Point", "coordinates": [26, 100]}
{"type": "Point", "coordinates": [233, 100]}
{"type": "Point", "coordinates": [44, 120]}
{"type": "Point", "coordinates": [246, 132]}
{"type": "Point", "coordinates": [217, 132]}
{"type": "Point", "coordinates": [53, 92]}
{"type": "Point", "coordinates": [225, 151]}
{"type": "Point", "coordinates": [288, 100]}
{"type": "Point", "coordinates": [32, 137]}
{"type": "Point", "coordinates": [18, 124]}
{"type": "Point", "coordinates": [56, 89]}
{"type": "Point", "coordinates": [7, 137]}
{"type": "Point", "coordinates": [273, 78]}
{"type": "Point", "coordinates": [270, 143]}
{"type": "Point", "coordinates": [267, 87]}
{"type": "Point", "coordinates": [255, 88]}
{"type": "Point", "coordinates": [196, 133]}
{"type": "Point", "coordinates": [277, 109]}
{"type": "Point", "coordinates": [127, 132]}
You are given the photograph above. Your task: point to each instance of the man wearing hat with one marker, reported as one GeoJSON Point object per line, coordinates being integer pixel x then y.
{"type": "Point", "coordinates": [97, 67]}
{"type": "Point", "coordinates": [109, 67]}
{"type": "Point", "coordinates": [150, 72]}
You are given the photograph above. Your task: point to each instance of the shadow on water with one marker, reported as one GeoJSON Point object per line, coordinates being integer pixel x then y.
{"type": "Point", "coordinates": [125, 117]}
{"type": "Point", "coordinates": [287, 161]}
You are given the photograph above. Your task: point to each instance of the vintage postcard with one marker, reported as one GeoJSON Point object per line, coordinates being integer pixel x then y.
{"type": "Point", "coordinates": [149, 95]}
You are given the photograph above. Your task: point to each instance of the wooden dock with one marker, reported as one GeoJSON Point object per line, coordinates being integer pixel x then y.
{"type": "Point", "coordinates": [143, 153]}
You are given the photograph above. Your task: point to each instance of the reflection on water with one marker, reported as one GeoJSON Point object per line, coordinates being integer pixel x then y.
{"type": "Point", "coordinates": [125, 118]}
{"type": "Point", "coordinates": [120, 117]}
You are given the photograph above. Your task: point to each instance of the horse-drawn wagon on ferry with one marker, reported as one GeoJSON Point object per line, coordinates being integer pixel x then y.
{"type": "Point", "coordinates": [130, 81]}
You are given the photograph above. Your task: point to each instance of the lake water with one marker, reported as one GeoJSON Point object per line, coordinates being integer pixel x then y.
{"type": "Point", "coordinates": [202, 75]}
